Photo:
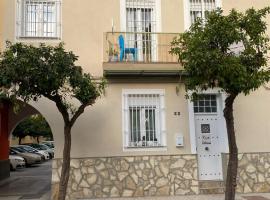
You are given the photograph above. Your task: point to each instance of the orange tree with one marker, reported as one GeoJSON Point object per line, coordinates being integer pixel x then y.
{"type": "Point", "coordinates": [206, 53]}
{"type": "Point", "coordinates": [29, 73]}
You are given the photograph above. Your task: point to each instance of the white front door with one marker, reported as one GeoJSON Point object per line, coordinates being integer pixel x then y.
{"type": "Point", "coordinates": [207, 119]}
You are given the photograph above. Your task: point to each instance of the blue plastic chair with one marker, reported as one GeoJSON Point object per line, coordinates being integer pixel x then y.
{"type": "Point", "coordinates": [124, 51]}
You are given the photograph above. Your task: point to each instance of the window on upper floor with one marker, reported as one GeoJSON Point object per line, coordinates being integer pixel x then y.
{"type": "Point", "coordinates": [141, 16]}
{"type": "Point", "coordinates": [39, 19]}
{"type": "Point", "coordinates": [144, 122]}
{"type": "Point", "coordinates": [199, 8]}
{"type": "Point", "coordinates": [141, 23]}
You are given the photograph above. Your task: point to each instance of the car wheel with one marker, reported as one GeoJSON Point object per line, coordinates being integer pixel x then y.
{"type": "Point", "coordinates": [12, 168]}
{"type": "Point", "coordinates": [26, 163]}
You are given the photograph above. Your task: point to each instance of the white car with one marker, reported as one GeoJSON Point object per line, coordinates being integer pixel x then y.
{"type": "Point", "coordinates": [43, 147]}
{"type": "Point", "coordinates": [49, 144]}
{"type": "Point", "coordinates": [15, 162]}
{"type": "Point", "coordinates": [33, 150]}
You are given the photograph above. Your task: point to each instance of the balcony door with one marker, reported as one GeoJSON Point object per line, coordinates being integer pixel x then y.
{"type": "Point", "coordinates": [141, 27]}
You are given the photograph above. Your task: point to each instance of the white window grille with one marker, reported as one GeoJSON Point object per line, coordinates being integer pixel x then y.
{"type": "Point", "coordinates": [199, 8]}
{"type": "Point", "coordinates": [141, 21]}
{"type": "Point", "coordinates": [144, 118]}
{"type": "Point", "coordinates": [141, 15]}
{"type": "Point", "coordinates": [206, 103]}
{"type": "Point", "coordinates": [39, 18]}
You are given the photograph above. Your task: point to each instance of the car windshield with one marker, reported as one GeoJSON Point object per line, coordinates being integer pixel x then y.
{"type": "Point", "coordinates": [50, 145]}
{"type": "Point", "coordinates": [19, 149]}
{"type": "Point", "coordinates": [36, 146]}
{"type": "Point", "coordinates": [12, 152]}
{"type": "Point", "coordinates": [39, 146]}
{"type": "Point", "coordinates": [43, 147]}
{"type": "Point", "coordinates": [29, 149]}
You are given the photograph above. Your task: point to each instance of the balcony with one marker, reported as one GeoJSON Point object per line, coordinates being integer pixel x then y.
{"type": "Point", "coordinates": [135, 53]}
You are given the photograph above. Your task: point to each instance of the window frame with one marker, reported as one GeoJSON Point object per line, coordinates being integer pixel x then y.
{"type": "Point", "coordinates": [126, 119]}
{"type": "Point", "coordinates": [196, 105]}
{"type": "Point", "coordinates": [147, 48]}
{"type": "Point", "coordinates": [186, 6]}
{"type": "Point", "coordinates": [20, 26]}
{"type": "Point", "coordinates": [123, 15]}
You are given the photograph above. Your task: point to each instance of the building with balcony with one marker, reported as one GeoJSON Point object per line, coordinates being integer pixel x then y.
{"type": "Point", "coordinates": [143, 137]}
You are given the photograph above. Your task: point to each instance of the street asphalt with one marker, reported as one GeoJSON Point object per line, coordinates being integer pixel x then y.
{"type": "Point", "coordinates": [28, 183]}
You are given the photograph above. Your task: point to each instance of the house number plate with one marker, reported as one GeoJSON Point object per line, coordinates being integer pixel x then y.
{"type": "Point", "coordinates": [206, 140]}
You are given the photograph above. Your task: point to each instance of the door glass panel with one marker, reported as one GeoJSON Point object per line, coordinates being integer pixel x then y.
{"type": "Point", "coordinates": [205, 103]}
{"type": "Point", "coordinates": [140, 23]}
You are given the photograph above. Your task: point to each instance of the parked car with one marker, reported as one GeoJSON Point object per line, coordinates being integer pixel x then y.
{"type": "Point", "coordinates": [44, 155]}
{"type": "Point", "coordinates": [43, 147]}
{"type": "Point", "coordinates": [15, 162]}
{"type": "Point", "coordinates": [49, 144]}
{"type": "Point", "coordinates": [30, 158]}
{"type": "Point", "coordinates": [30, 151]}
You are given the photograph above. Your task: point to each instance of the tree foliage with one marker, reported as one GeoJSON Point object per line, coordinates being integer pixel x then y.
{"type": "Point", "coordinates": [207, 52]}
{"type": "Point", "coordinates": [34, 126]}
{"type": "Point", "coordinates": [230, 53]}
{"type": "Point", "coordinates": [30, 72]}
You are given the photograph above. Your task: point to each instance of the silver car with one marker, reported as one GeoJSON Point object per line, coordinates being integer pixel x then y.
{"type": "Point", "coordinates": [30, 149]}
{"type": "Point", "coordinates": [43, 147]}
{"type": "Point", "coordinates": [49, 144]}
{"type": "Point", "coordinates": [15, 162]}
{"type": "Point", "coordinates": [30, 158]}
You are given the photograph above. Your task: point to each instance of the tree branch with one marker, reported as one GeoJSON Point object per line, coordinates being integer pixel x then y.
{"type": "Point", "coordinates": [60, 106]}
{"type": "Point", "coordinates": [80, 111]}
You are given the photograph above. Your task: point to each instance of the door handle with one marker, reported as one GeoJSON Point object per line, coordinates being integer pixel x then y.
{"type": "Point", "coordinates": [206, 148]}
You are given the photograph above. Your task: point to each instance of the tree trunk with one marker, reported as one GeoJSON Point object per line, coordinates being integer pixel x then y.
{"type": "Point", "coordinates": [233, 151]}
{"type": "Point", "coordinates": [66, 164]}
{"type": "Point", "coordinates": [38, 139]}
{"type": "Point", "coordinates": [20, 140]}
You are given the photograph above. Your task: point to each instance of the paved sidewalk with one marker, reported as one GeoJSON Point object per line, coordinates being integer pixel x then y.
{"type": "Point", "coordinates": [265, 196]}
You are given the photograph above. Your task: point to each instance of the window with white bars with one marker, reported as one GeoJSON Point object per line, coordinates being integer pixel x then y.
{"type": "Point", "coordinates": [144, 120]}
{"type": "Point", "coordinates": [141, 21]}
{"type": "Point", "coordinates": [199, 8]}
{"type": "Point", "coordinates": [39, 18]}
{"type": "Point", "coordinates": [141, 15]}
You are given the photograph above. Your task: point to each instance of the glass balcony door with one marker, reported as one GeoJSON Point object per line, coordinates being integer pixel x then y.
{"type": "Point", "coordinates": [140, 23]}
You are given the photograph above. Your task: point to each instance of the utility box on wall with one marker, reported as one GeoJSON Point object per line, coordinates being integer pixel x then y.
{"type": "Point", "coordinates": [179, 140]}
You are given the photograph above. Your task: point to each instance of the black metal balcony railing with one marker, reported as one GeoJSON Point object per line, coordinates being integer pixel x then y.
{"type": "Point", "coordinates": [139, 47]}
